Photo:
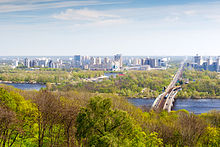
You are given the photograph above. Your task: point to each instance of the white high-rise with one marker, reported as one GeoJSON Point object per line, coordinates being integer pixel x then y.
{"type": "Point", "coordinates": [118, 59]}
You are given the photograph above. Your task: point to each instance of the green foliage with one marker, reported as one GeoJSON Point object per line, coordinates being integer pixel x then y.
{"type": "Point", "coordinates": [21, 116]}
{"type": "Point", "coordinates": [211, 137]}
{"type": "Point", "coordinates": [202, 84]}
{"type": "Point", "coordinates": [99, 125]}
{"type": "Point", "coordinates": [130, 85]}
{"type": "Point", "coordinates": [46, 75]}
{"type": "Point", "coordinates": [151, 83]}
{"type": "Point", "coordinates": [153, 140]}
{"type": "Point", "coordinates": [71, 118]}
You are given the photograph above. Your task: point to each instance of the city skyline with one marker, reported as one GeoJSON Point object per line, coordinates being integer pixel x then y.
{"type": "Point", "coordinates": [100, 28]}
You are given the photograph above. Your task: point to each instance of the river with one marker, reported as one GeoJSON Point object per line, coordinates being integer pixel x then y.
{"type": "Point", "coordinates": [196, 106]}
{"type": "Point", "coordinates": [27, 86]}
{"type": "Point", "coordinates": [193, 105]}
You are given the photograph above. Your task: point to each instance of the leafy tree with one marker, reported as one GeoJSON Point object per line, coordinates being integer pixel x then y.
{"type": "Point", "coordinates": [211, 137]}
{"type": "Point", "coordinates": [99, 125]}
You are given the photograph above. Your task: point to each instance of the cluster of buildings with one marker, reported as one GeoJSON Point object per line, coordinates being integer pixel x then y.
{"type": "Point", "coordinates": [152, 62]}
{"type": "Point", "coordinates": [41, 63]}
{"type": "Point", "coordinates": [140, 63]}
{"type": "Point", "coordinates": [113, 63]}
{"type": "Point", "coordinates": [207, 63]}
{"type": "Point", "coordinates": [98, 63]}
{"type": "Point", "coordinates": [117, 63]}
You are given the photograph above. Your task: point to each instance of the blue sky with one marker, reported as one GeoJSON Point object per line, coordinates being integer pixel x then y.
{"type": "Point", "coordinates": [107, 27]}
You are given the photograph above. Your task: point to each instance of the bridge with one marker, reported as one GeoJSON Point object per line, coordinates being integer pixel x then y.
{"type": "Point", "coordinates": [165, 100]}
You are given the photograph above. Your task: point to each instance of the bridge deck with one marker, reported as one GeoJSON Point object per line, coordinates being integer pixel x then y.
{"type": "Point", "coordinates": [166, 99]}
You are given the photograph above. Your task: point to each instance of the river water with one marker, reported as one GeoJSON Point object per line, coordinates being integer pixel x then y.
{"type": "Point", "coordinates": [196, 106]}
{"type": "Point", "coordinates": [193, 105]}
{"type": "Point", "coordinates": [27, 86]}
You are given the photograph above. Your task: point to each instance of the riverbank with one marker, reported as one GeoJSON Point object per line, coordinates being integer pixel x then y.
{"type": "Point", "coordinates": [208, 97]}
{"type": "Point", "coordinates": [26, 86]}
{"type": "Point", "coordinates": [20, 82]}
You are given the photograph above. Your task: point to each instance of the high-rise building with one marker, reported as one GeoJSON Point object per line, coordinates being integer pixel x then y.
{"type": "Point", "coordinates": [16, 63]}
{"type": "Point", "coordinates": [136, 61]}
{"type": "Point", "coordinates": [210, 61]}
{"type": "Point", "coordinates": [27, 62]}
{"type": "Point", "coordinates": [34, 63]}
{"type": "Point", "coordinates": [218, 64]}
{"type": "Point", "coordinates": [147, 61]}
{"type": "Point", "coordinates": [85, 60]}
{"type": "Point", "coordinates": [92, 61]}
{"type": "Point", "coordinates": [106, 60]}
{"type": "Point", "coordinates": [207, 64]}
{"type": "Point", "coordinates": [198, 60]}
{"type": "Point", "coordinates": [142, 61]}
{"type": "Point", "coordinates": [98, 61]}
{"type": "Point", "coordinates": [152, 63]}
{"type": "Point", "coordinates": [42, 63]}
{"type": "Point", "coordinates": [118, 58]}
{"type": "Point", "coordinates": [77, 61]}
{"type": "Point", "coordinates": [51, 64]}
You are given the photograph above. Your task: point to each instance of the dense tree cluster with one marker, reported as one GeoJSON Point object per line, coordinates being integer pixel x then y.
{"type": "Point", "coordinates": [71, 118]}
{"type": "Point", "coordinates": [202, 84]}
{"type": "Point", "coordinates": [47, 75]}
{"type": "Point", "coordinates": [130, 84]}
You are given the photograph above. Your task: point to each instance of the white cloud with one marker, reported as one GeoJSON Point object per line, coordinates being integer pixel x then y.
{"type": "Point", "coordinates": [27, 5]}
{"type": "Point", "coordinates": [172, 18]}
{"type": "Point", "coordinates": [215, 17]}
{"type": "Point", "coordinates": [83, 14]}
{"type": "Point", "coordinates": [101, 23]}
{"type": "Point", "coordinates": [88, 18]}
{"type": "Point", "coordinates": [190, 12]}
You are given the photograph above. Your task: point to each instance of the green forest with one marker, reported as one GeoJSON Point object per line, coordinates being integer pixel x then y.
{"type": "Point", "coordinates": [74, 118]}
{"type": "Point", "coordinates": [46, 75]}
{"type": "Point", "coordinates": [149, 84]}
{"type": "Point", "coordinates": [202, 84]}
{"type": "Point", "coordinates": [133, 84]}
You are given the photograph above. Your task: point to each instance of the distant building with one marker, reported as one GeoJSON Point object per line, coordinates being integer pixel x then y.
{"type": "Point", "coordinates": [34, 63]}
{"type": "Point", "coordinates": [106, 60]}
{"type": "Point", "coordinates": [92, 61]}
{"type": "Point", "coordinates": [149, 61]}
{"type": "Point", "coordinates": [42, 63]}
{"type": "Point", "coordinates": [85, 60]}
{"type": "Point", "coordinates": [136, 61]}
{"type": "Point", "coordinates": [142, 61]}
{"type": "Point", "coordinates": [16, 63]}
{"type": "Point", "coordinates": [51, 64]}
{"type": "Point", "coordinates": [208, 64]}
{"type": "Point", "coordinates": [152, 63]}
{"type": "Point", "coordinates": [198, 60]}
{"type": "Point", "coordinates": [218, 64]}
{"type": "Point", "coordinates": [77, 61]}
{"type": "Point", "coordinates": [210, 61]}
{"type": "Point", "coordinates": [98, 61]}
{"type": "Point", "coordinates": [27, 62]}
{"type": "Point", "coordinates": [118, 60]}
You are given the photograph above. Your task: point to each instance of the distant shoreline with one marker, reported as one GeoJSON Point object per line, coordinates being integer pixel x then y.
{"type": "Point", "coordinates": [217, 97]}
{"type": "Point", "coordinates": [20, 82]}
{"type": "Point", "coordinates": [34, 82]}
